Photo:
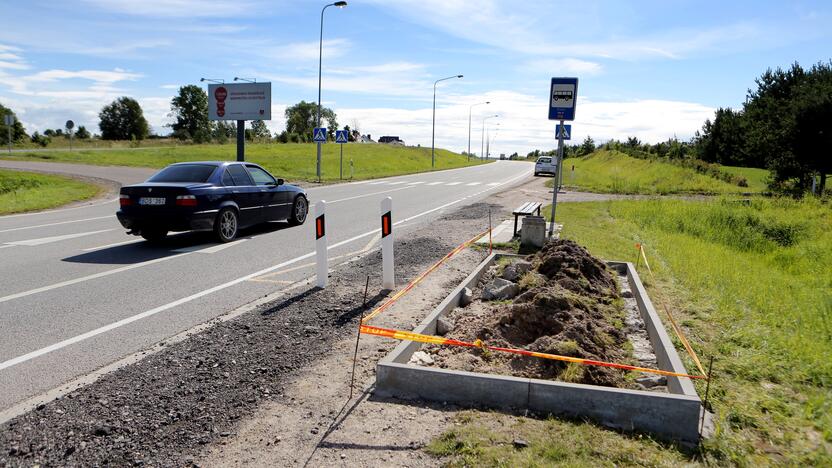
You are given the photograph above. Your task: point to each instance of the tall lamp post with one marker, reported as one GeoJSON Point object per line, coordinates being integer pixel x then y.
{"type": "Point", "coordinates": [490, 139]}
{"type": "Point", "coordinates": [433, 125]}
{"type": "Point", "coordinates": [469, 124]}
{"type": "Point", "coordinates": [482, 137]}
{"type": "Point", "coordinates": [320, 62]}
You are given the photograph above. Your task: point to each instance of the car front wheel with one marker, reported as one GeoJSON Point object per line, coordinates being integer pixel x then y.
{"type": "Point", "coordinates": [225, 227]}
{"type": "Point", "coordinates": [299, 210]}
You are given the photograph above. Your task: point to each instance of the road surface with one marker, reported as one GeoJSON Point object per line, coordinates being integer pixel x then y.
{"type": "Point", "coordinates": [77, 293]}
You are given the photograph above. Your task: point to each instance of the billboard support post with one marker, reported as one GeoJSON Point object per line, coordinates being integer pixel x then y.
{"type": "Point", "coordinates": [241, 140]}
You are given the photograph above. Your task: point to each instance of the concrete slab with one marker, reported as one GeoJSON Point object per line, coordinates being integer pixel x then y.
{"type": "Point", "coordinates": [672, 416]}
{"type": "Point", "coordinates": [502, 233]}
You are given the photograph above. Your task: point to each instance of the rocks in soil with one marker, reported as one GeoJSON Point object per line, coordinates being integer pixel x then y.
{"type": "Point", "coordinates": [575, 311]}
{"type": "Point", "coordinates": [651, 381]}
{"type": "Point", "coordinates": [466, 297]}
{"type": "Point", "coordinates": [514, 271]}
{"type": "Point", "coordinates": [421, 358]}
{"type": "Point", "coordinates": [444, 325]}
{"type": "Point", "coordinates": [500, 289]}
{"type": "Point", "coordinates": [520, 443]}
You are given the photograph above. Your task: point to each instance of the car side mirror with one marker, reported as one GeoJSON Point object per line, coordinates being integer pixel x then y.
{"type": "Point", "coordinates": [280, 182]}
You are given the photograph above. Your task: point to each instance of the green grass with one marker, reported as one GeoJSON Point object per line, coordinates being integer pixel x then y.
{"type": "Point", "coordinates": [751, 284]}
{"type": "Point", "coordinates": [27, 191]}
{"type": "Point", "coordinates": [757, 178]}
{"type": "Point", "coordinates": [293, 161]}
{"type": "Point", "coordinates": [614, 172]}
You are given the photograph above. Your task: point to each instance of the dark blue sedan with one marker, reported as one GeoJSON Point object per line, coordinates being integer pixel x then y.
{"type": "Point", "coordinates": [209, 196]}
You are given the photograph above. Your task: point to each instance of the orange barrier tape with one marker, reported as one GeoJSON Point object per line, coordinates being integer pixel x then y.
{"type": "Point", "coordinates": [419, 278]}
{"type": "Point", "coordinates": [673, 323]}
{"type": "Point", "coordinates": [438, 340]}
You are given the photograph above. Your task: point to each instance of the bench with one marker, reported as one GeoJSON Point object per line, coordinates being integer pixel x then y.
{"type": "Point", "coordinates": [526, 209]}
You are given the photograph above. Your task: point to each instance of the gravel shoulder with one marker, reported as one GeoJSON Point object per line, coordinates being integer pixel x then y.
{"type": "Point", "coordinates": [226, 395]}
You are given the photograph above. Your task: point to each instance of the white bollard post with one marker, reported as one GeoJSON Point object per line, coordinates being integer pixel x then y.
{"type": "Point", "coordinates": [320, 243]}
{"type": "Point", "coordinates": [388, 275]}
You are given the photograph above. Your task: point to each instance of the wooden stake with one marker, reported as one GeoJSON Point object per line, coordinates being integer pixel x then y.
{"type": "Point", "coordinates": [358, 336]}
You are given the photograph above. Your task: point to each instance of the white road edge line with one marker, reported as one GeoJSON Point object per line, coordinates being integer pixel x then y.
{"type": "Point", "coordinates": [49, 240]}
{"type": "Point", "coordinates": [58, 210]}
{"type": "Point", "coordinates": [112, 326]}
{"type": "Point", "coordinates": [56, 224]}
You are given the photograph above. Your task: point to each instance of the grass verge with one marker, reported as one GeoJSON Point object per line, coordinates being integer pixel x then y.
{"type": "Point", "coordinates": [293, 161]}
{"type": "Point", "coordinates": [27, 191]}
{"type": "Point", "coordinates": [614, 172]}
{"type": "Point", "coordinates": [750, 283]}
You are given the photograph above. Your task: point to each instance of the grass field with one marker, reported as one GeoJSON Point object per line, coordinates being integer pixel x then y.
{"type": "Point", "coordinates": [614, 172]}
{"type": "Point", "coordinates": [752, 287]}
{"type": "Point", "coordinates": [293, 161]}
{"type": "Point", "coordinates": [27, 191]}
{"type": "Point", "coordinates": [757, 178]}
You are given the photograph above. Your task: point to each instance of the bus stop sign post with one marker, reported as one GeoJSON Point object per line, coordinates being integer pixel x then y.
{"type": "Point", "coordinates": [8, 119]}
{"type": "Point", "coordinates": [563, 95]}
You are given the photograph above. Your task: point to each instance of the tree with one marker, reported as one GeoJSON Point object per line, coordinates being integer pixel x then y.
{"type": "Point", "coordinates": [123, 119]}
{"type": "Point", "coordinates": [223, 131]}
{"type": "Point", "coordinates": [301, 119]}
{"type": "Point", "coordinates": [82, 133]}
{"type": "Point", "coordinates": [18, 132]}
{"type": "Point", "coordinates": [41, 140]}
{"type": "Point", "coordinates": [190, 109]}
{"type": "Point", "coordinates": [259, 130]}
{"type": "Point", "coordinates": [588, 146]}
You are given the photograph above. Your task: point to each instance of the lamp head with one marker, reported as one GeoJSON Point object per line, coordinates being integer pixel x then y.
{"type": "Point", "coordinates": [459, 76]}
{"type": "Point", "coordinates": [340, 4]}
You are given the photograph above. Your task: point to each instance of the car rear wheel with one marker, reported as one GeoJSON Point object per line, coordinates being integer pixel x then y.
{"type": "Point", "coordinates": [154, 235]}
{"type": "Point", "coordinates": [299, 210]}
{"type": "Point", "coordinates": [225, 227]}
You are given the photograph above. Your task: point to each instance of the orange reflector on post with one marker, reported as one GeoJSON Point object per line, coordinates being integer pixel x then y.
{"type": "Point", "coordinates": [320, 227]}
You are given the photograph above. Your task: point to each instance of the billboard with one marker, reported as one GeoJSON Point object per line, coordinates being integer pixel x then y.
{"type": "Point", "coordinates": [240, 101]}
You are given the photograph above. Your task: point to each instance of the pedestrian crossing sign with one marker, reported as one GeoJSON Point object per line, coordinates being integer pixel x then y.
{"type": "Point", "coordinates": [319, 135]}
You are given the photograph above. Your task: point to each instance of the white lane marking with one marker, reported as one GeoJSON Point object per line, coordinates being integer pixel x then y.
{"type": "Point", "coordinates": [184, 300]}
{"type": "Point", "coordinates": [473, 183]}
{"type": "Point", "coordinates": [58, 210]}
{"type": "Point", "coordinates": [57, 224]}
{"type": "Point", "coordinates": [49, 240]}
{"type": "Point", "coordinates": [210, 250]}
{"type": "Point", "coordinates": [453, 183]}
{"type": "Point", "coordinates": [397, 183]}
{"type": "Point", "coordinates": [416, 183]}
{"type": "Point", "coordinates": [378, 183]}
{"type": "Point", "coordinates": [494, 183]}
{"type": "Point", "coordinates": [131, 241]}
{"type": "Point", "coordinates": [370, 194]}
{"type": "Point", "coordinates": [5, 246]}
{"type": "Point", "coordinates": [87, 278]}
{"type": "Point", "coordinates": [434, 183]}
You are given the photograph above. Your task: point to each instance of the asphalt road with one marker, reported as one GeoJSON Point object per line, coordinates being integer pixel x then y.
{"type": "Point", "coordinates": [77, 293]}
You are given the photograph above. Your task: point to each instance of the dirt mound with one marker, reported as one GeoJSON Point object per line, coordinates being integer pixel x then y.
{"type": "Point", "coordinates": [573, 310]}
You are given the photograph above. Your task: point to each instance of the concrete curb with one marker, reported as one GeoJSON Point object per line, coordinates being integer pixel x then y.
{"type": "Point", "coordinates": [673, 416]}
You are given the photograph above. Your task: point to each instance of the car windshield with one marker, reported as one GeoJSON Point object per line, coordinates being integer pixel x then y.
{"type": "Point", "coordinates": [184, 173]}
{"type": "Point", "coordinates": [544, 160]}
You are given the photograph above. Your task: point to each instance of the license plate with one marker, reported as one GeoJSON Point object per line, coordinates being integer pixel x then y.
{"type": "Point", "coordinates": [151, 201]}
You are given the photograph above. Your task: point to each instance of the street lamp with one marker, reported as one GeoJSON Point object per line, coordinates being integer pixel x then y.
{"type": "Point", "coordinates": [482, 137]}
{"type": "Point", "coordinates": [212, 80]}
{"type": "Point", "coordinates": [469, 124]}
{"type": "Point", "coordinates": [490, 139]}
{"type": "Point", "coordinates": [433, 124]}
{"type": "Point", "coordinates": [249, 80]}
{"type": "Point", "coordinates": [320, 62]}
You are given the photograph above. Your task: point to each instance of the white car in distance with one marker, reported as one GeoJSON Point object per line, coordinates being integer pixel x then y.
{"type": "Point", "coordinates": [545, 165]}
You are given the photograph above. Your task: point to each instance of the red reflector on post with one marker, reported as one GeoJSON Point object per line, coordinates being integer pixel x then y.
{"type": "Point", "coordinates": [386, 224]}
{"type": "Point", "coordinates": [320, 227]}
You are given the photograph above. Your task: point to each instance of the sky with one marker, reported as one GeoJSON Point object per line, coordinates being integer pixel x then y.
{"type": "Point", "coordinates": [653, 69]}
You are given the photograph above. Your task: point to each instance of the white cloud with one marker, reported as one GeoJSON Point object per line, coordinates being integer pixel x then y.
{"type": "Point", "coordinates": [100, 76]}
{"type": "Point", "coordinates": [306, 51]}
{"type": "Point", "coordinates": [523, 124]}
{"type": "Point", "coordinates": [565, 66]}
{"type": "Point", "coordinates": [181, 8]}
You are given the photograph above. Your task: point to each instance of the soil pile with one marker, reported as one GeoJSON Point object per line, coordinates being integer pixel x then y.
{"type": "Point", "coordinates": [569, 305]}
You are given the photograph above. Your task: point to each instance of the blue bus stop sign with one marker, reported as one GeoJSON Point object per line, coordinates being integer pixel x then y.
{"type": "Point", "coordinates": [563, 94]}
{"type": "Point", "coordinates": [341, 136]}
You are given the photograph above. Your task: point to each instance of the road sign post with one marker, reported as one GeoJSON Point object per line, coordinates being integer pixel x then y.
{"type": "Point", "coordinates": [320, 244]}
{"type": "Point", "coordinates": [69, 126]}
{"type": "Point", "coordinates": [8, 119]}
{"type": "Point", "coordinates": [319, 137]}
{"type": "Point", "coordinates": [341, 137]}
{"type": "Point", "coordinates": [388, 276]}
{"type": "Point", "coordinates": [563, 96]}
